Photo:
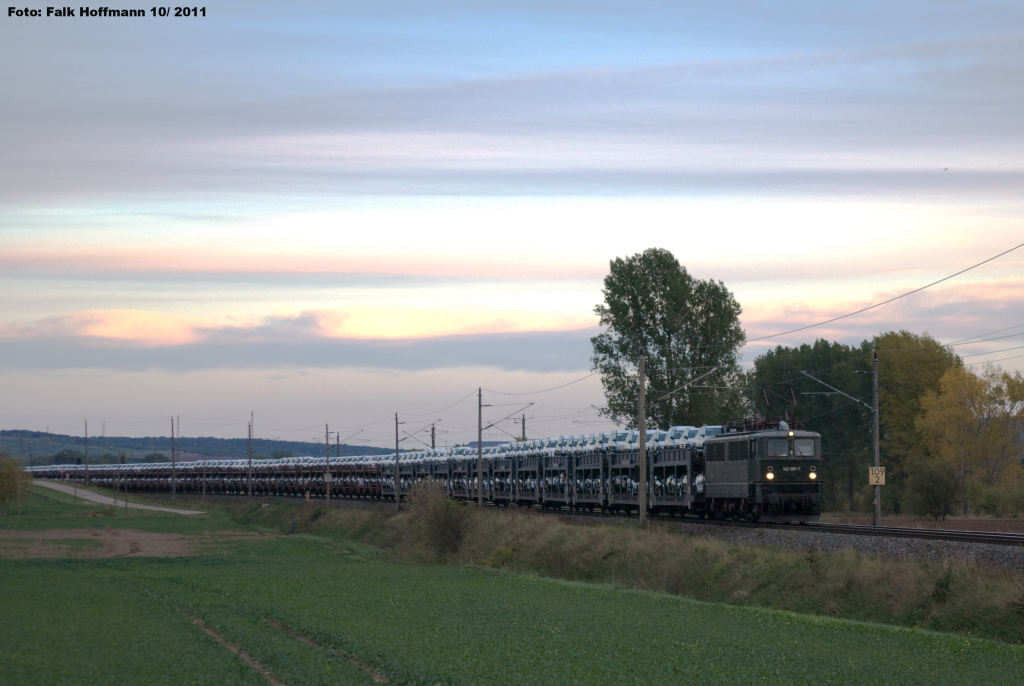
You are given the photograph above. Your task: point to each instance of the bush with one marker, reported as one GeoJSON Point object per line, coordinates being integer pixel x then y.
{"type": "Point", "coordinates": [934, 489]}
{"type": "Point", "coordinates": [1005, 500]}
{"type": "Point", "coordinates": [14, 481]}
{"type": "Point", "coordinates": [442, 521]}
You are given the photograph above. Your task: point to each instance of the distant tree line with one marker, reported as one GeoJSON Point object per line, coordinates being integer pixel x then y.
{"type": "Point", "coordinates": [37, 447]}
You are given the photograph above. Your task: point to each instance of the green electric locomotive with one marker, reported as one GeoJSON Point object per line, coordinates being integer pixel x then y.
{"type": "Point", "coordinates": [770, 474]}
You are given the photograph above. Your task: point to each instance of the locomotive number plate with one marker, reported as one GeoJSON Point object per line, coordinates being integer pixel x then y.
{"type": "Point", "coordinates": [876, 476]}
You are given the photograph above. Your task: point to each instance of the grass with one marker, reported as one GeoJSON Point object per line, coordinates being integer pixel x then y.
{"type": "Point", "coordinates": [45, 508]}
{"type": "Point", "coordinates": [941, 596]}
{"type": "Point", "coordinates": [68, 624]}
{"type": "Point", "coordinates": [64, 622]}
{"type": "Point", "coordinates": [128, 620]}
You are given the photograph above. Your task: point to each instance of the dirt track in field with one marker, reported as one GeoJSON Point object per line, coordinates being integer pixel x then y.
{"type": "Point", "coordinates": [107, 500]}
{"type": "Point", "coordinates": [97, 543]}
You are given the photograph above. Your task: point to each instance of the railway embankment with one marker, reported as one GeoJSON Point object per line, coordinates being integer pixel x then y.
{"type": "Point", "coordinates": [817, 575]}
{"type": "Point", "coordinates": [895, 548]}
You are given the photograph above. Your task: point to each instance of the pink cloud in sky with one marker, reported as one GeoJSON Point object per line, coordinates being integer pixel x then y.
{"type": "Point", "coordinates": [271, 260]}
{"type": "Point", "coordinates": [154, 328]}
{"type": "Point", "coordinates": [141, 327]}
{"type": "Point", "coordinates": [953, 311]}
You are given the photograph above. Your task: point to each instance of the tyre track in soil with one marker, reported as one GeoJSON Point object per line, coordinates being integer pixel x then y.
{"type": "Point", "coordinates": [250, 660]}
{"type": "Point", "coordinates": [378, 677]}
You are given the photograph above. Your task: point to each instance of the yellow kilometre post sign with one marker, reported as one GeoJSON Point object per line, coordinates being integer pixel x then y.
{"type": "Point", "coordinates": [876, 476]}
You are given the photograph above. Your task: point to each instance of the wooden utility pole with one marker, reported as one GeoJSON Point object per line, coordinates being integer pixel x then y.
{"type": "Point", "coordinates": [641, 425]}
{"type": "Point", "coordinates": [327, 464]}
{"type": "Point", "coordinates": [480, 446]}
{"type": "Point", "coordinates": [877, 518]}
{"type": "Point", "coordinates": [120, 477]}
{"type": "Point", "coordinates": [174, 465]}
{"type": "Point", "coordinates": [431, 436]}
{"type": "Point", "coordinates": [398, 485]}
{"type": "Point", "coordinates": [249, 479]}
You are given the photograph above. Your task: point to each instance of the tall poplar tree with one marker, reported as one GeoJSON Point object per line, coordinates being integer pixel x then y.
{"type": "Point", "coordinates": [685, 327]}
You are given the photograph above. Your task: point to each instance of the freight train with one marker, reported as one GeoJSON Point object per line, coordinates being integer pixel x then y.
{"type": "Point", "coordinates": [750, 471]}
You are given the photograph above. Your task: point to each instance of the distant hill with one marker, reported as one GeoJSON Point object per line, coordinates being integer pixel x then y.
{"type": "Point", "coordinates": [39, 447]}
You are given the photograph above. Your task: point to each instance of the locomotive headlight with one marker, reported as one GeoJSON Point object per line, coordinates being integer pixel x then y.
{"type": "Point", "coordinates": [770, 476]}
{"type": "Point", "coordinates": [813, 475]}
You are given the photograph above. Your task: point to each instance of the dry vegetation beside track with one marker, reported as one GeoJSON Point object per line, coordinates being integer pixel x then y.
{"type": "Point", "coordinates": [944, 596]}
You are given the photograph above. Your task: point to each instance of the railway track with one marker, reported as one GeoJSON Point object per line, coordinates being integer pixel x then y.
{"type": "Point", "coordinates": [991, 537]}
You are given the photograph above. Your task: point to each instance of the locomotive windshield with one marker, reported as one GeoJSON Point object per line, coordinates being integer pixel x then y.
{"type": "Point", "coordinates": [804, 447]}
{"type": "Point", "coordinates": [779, 447]}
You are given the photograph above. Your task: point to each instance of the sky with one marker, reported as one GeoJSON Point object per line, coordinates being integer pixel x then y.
{"type": "Point", "coordinates": [327, 213]}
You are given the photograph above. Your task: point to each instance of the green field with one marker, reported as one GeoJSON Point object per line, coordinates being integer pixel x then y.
{"type": "Point", "coordinates": [128, 620]}
{"type": "Point", "coordinates": [45, 508]}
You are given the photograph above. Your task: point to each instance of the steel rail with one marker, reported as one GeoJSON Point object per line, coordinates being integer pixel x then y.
{"type": "Point", "coordinates": [953, 535]}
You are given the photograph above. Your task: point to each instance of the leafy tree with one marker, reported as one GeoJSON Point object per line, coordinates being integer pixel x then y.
{"type": "Point", "coordinates": [156, 457]}
{"type": "Point", "coordinates": [974, 424]}
{"type": "Point", "coordinates": [684, 326]}
{"type": "Point", "coordinates": [278, 454]}
{"type": "Point", "coordinates": [934, 489]}
{"type": "Point", "coordinates": [909, 367]}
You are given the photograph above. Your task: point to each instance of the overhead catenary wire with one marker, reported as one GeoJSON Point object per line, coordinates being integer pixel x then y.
{"type": "Point", "coordinates": [885, 302]}
{"type": "Point", "coordinates": [545, 390]}
{"type": "Point", "coordinates": [986, 340]}
{"type": "Point", "coordinates": [987, 333]}
{"type": "Point", "coordinates": [514, 412]}
{"type": "Point", "coordinates": [684, 386]}
{"type": "Point", "coordinates": [462, 399]}
{"type": "Point", "coordinates": [1002, 359]}
{"type": "Point", "coordinates": [994, 352]}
